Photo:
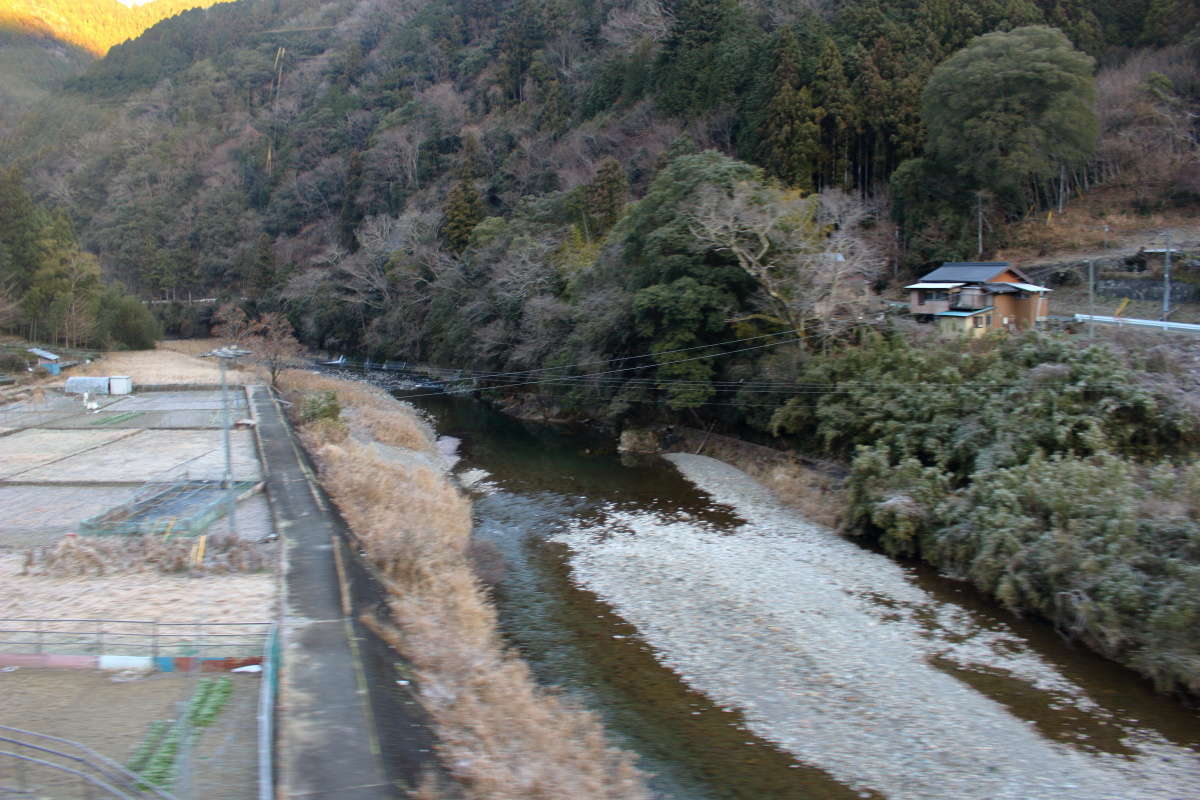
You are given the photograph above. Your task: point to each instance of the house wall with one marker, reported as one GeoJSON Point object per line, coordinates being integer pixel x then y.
{"type": "Point", "coordinates": [965, 326]}
{"type": "Point", "coordinates": [931, 307]}
{"type": "Point", "coordinates": [1022, 313]}
{"type": "Point", "coordinates": [1006, 308]}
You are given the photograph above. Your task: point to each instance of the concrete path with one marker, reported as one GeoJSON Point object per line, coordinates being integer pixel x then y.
{"type": "Point", "coordinates": [326, 744]}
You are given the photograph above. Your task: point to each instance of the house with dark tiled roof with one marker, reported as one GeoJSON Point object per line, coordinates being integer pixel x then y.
{"type": "Point", "coordinates": [976, 297]}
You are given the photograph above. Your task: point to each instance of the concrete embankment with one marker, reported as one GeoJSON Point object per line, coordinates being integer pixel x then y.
{"type": "Point", "coordinates": [327, 743]}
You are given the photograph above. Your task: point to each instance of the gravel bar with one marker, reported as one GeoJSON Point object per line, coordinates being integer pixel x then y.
{"type": "Point", "coordinates": [826, 648]}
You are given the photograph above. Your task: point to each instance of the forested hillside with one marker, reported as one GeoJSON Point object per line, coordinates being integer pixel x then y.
{"type": "Point", "coordinates": [277, 147]}
{"type": "Point", "coordinates": [31, 67]}
{"type": "Point", "coordinates": [678, 210]}
{"type": "Point", "coordinates": [51, 290]}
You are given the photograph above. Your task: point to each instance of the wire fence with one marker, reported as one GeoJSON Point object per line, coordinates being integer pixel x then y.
{"type": "Point", "coordinates": [133, 637]}
{"type": "Point", "coordinates": [185, 508]}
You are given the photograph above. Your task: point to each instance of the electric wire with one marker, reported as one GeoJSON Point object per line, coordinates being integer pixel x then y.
{"type": "Point", "coordinates": [528, 372]}
{"type": "Point", "coordinates": [619, 370]}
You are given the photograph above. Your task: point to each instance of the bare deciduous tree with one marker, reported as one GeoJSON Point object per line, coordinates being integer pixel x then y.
{"type": "Point", "coordinates": [231, 324]}
{"type": "Point", "coordinates": [274, 345]}
{"type": "Point", "coordinates": [525, 270]}
{"type": "Point", "coordinates": [638, 21]}
{"type": "Point", "coordinates": [806, 253]}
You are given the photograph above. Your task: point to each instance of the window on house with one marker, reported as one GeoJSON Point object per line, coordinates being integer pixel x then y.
{"type": "Point", "coordinates": [978, 321]}
{"type": "Point", "coordinates": [932, 295]}
{"type": "Point", "coordinates": [987, 321]}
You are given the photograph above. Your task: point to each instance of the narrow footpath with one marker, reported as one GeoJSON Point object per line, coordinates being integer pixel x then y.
{"type": "Point", "coordinates": [326, 743]}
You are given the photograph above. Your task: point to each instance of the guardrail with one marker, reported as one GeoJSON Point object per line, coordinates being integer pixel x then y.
{"type": "Point", "coordinates": [266, 715]}
{"type": "Point", "coordinates": [1182, 327]}
{"type": "Point", "coordinates": [133, 637]}
{"type": "Point", "coordinates": [95, 775]}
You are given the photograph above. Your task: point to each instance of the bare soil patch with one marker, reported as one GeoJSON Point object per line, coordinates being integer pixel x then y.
{"type": "Point", "coordinates": [135, 596]}
{"type": "Point", "coordinates": [162, 366]}
{"type": "Point", "coordinates": [83, 706]}
{"type": "Point", "coordinates": [90, 707]}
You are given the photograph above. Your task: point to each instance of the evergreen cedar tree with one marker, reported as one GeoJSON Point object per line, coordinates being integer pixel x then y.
{"type": "Point", "coordinates": [51, 290]}
{"type": "Point", "coordinates": [1010, 110]}
{"type": "Point", "coordinates": [791, 129]}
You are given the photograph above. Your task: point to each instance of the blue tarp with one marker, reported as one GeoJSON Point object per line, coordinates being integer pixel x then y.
{"type": "Point", "coordinates": [40, 353]}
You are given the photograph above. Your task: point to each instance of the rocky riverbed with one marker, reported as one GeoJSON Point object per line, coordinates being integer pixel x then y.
{"type": "Point", "coordinates": [835, 654]}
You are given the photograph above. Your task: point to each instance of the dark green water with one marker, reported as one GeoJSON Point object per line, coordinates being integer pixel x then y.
{"type": "Point", "coordinates": [539, 479]}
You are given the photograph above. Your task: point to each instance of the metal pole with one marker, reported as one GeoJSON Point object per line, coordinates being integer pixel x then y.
{"type": "Point", "coordinates": [1092, 299]}
{"type": "Point", "coordinates": [979, 221]}
{"type": "Point", "coordinates": [1167, 280]}
{"type": "Point", "coordinates": [227, 483]}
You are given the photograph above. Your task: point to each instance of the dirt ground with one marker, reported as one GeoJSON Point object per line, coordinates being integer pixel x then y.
{"type": "Point", "coordinates": [110, 714]}
{"type": "Point", "coordinates": [164, 365]}
{"type": "Point", "coordinates": [141, 595]}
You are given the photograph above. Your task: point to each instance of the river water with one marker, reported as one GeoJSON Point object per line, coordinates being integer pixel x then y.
{"type": "Point", "coordinates": [743, 653]}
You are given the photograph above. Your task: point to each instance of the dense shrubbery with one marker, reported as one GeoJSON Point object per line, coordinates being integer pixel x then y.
{"type": "Point", "coordinates": [1051, 475]}
{"type": "Point", "coordinates": [125, 323]}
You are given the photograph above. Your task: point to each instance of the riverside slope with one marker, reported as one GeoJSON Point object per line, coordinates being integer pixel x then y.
{"type": "Point", "coordinates": [827, 647]}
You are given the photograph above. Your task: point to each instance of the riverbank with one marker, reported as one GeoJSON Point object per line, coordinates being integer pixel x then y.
{"type": "Point", "coordinates": [835, 655]}
{"type": "Point", "coordinates": [500, 734]}
{"type": "Point", "coordinates": [812, 487]}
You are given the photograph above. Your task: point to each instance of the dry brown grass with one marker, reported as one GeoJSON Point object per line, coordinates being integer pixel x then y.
{"type": "Point", "coordinates": [81, 556]}
{"type": "Point", "coordinates": [501, 735]}
{"type": "Point", "coordinates": [376, 413]}
{"type": "Point", "coordinates": [1080, 228]}
{"type": "Point", "coordinates": [1067, 300]}
{"type": "Point", "coordinates": [161, 366]}
{"type": "Point", "coordinates": [134, 595]}
{"type": "Point", "coordinates": [190, 347]}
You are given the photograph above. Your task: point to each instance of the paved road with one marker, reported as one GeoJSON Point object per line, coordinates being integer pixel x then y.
{"type": "Point", "coordinates": [326, 744]}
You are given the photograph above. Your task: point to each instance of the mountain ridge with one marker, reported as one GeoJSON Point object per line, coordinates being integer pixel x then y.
{"type": "Point", "coordinates": [93, 25]}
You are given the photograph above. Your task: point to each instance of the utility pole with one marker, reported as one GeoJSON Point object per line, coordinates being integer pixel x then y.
{"type": "Point", "coordinates": [227, 482]}
{"type": "Point", "coordinates": [224, 355]}
{"type": "Point", "coordinates": [1167, 279]}
{"type": "Point", "coordinates": [979, 221]}
{"type": "Point", "coordinates": [1091, 300]}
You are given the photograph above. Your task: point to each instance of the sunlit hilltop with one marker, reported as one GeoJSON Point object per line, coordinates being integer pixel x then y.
{"type": "Point", "coordinates": [94, 25]}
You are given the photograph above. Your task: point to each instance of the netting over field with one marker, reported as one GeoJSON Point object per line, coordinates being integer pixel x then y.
{"type": "Point", "coordinates": [186, 508]}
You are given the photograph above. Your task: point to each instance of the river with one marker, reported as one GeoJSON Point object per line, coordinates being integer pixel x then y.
{"type": "Point", "coordinates": [744, 653]}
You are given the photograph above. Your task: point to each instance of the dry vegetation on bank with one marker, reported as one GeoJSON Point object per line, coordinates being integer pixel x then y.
{"type": "Point", "coordinates": [501, 736]}
{"type": "Point", "coordinates": [172, 362]}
